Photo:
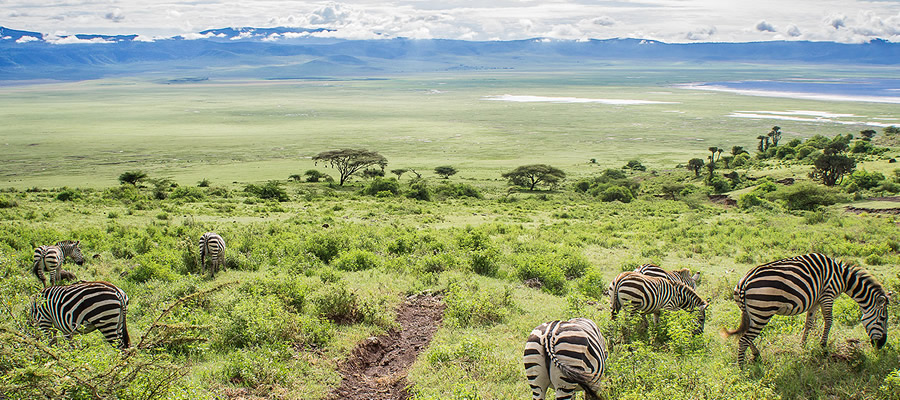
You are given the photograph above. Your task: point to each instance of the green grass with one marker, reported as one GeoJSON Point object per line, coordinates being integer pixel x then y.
{"type": "Point", "coordinates": [300, 296]}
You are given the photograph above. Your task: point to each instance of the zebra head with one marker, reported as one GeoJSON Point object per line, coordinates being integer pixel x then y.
{"type": "Point", "coordinates": [71, 249]}
{"type": "Point", "coordinates": [701, 318]}
{"type": "Point", "coordinates": [875, 319]}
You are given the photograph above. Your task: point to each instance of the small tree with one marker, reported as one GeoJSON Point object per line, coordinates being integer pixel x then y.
{"type": "Point", "coordinates": [132, 177]}
{"type": "Point", "coordinates": [445, 171]}
{"type": "Point", "coordinates": [867, 134]}
{"type": "Point", "coordinates": [891, 130]}
{"type": "Point", "coordinates": [830, 168]}
{"type": "Point", "coordinates": [399, 172]}
{"type": "Point", "coordinates": [763, 143]}
{"type": "Point", "coordinates": [314, 175]}
{"type": "Point", "coordinates": [672, 190]}
{"type": "Point", "coordinates": [531, 175]}
{"type": "Point", "coordinates": [775, 135]}
{"type": "Point", "coordinates": [350, 161]}
{"type": "Point", "coordinates": [635, 165]}
{"type": "Point", "coordinates": [371, 173]}
{"type": "Point", "coordinates": [737, 150]}
{"type": "Point", "coordinates": [696, 165]}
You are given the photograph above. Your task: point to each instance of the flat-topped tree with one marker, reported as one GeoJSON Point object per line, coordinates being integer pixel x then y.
{"type": "Point", "coordinates": [531, 175]}
{"type": "Point", "coordinates": [350, 161]}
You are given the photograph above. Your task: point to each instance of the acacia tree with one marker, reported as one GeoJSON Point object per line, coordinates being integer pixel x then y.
{"type": "Point", "coordinates": [350, 161]}
{"type": "Point", "coordinates": [446, 171]}
{"type": "Point", "coordinates": [531, 175]}
{"type": "Point", "coordinates": [831, 166]}
{"type": "Point", "coordinates": [695, 164]}
{"type": "Point", "coordinates": [132, 177]}
{"type": "Point", "coordinates": [399, 172]}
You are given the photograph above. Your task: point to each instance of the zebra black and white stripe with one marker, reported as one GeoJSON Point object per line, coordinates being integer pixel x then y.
{"type": "Point", "coordinates": [650, 295]}
{"type": "Point", "coordinates": [49, 259]}
{"type": "Point", "coordinates": [566, 355]}
{"type": "Point", "coordinates": [679, 275]}
{"type": "Point", "coordinates": [212, 246]}
{"type": "Point", "coordinates": [804, 284]}
{"type": "Point", "coordinates": [81, 308]}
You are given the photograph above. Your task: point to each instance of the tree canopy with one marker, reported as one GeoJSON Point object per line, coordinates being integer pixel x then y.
{"type": "Point", "coordinates": [445, 171]}
{"type": "Point", "coordinates": [531, 175]}
{"type": "Point", "coordinates": [350, 161]}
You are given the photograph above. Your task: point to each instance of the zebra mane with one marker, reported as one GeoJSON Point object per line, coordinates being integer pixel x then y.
{"type": "Point", "coordinates": [863, 275]}
{"type": "Point", "coordinates": [64, 242]}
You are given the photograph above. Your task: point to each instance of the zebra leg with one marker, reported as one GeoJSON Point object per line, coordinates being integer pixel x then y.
{"type": "Point", "coordinates": [656, 318]}
{"type": "Point", "coordinates": [826, 315]}
{"type": "Point", "coordinates": [565, 394]}
{"type": "Point", "coordinates": [810, 322]}
{"type": "Point", "coordinates": [746, 341]}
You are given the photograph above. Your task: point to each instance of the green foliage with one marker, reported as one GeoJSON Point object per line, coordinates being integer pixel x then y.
{"type": "Point", "coordinates": [542, 269]}
{"type": "Point", "coordinates": [357, 260]}
{"type": "Point", "coordinates": [270, 190]}
{"type": "Point", "coordinates": [381, 185]}
{"type": "Point", "coordinates": [805, 196]}
{"type": "Point", "coordinates": [313, 175]}
{"type": "Point", "coordinates": [339, 304]}
{"type": "Point", "coordinates": [253, 321]}
{"type": "Point", "coordinates": [616, 193]}
{"type": "Point", "coordinates": [125, 194]}
{"type": "Point", "coordinates": [261, 367]}
{"type": "Point", "coordinates": [418, 190]}
{"type": "Point", "coordinates": [132, 177]}
{"type": "Point", "coordinates": [7, 203]}
{"type": "Point", "coordinates": [862, 180]}
{"type": "Point", "coordinates": [350, 161]}
{"type": "Point", "coordinates": [68, 194]}
{"type": "Point", "coordinates": [529, 176]}
{"type": "Point", "coordinates": [469, 304]}
{"type": "Point", "coordinates": [457, 190]}
{"type": "Point", "coordinates": [635, 165]}
{"type": "Point", "coordinates": [445, 171]}
{"type": "Point", "coordinates": [325, 246]}
{"type": "Point", "coordinates": [188, 193]}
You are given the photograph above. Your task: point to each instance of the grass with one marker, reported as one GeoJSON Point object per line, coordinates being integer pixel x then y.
{"type": "Point", "coordinates": [299, 295]}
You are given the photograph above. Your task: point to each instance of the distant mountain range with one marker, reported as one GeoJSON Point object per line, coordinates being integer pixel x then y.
{"type": "Point", "coordinates": [297, 53]}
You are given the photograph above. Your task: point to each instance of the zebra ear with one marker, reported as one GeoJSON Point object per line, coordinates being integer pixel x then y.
{"type": "Point", "coordinates": [77, 242]}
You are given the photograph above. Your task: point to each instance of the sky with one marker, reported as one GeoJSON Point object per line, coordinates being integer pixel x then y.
{"type": "Point", "coordinates": [674, 21]}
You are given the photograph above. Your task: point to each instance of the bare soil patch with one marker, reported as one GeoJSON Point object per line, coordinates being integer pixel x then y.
{"type": "Point", "coordinates": [377, 367]}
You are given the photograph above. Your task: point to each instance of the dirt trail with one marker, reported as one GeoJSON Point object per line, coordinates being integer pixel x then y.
{"type": "Point", "coordinates": [376, 369]}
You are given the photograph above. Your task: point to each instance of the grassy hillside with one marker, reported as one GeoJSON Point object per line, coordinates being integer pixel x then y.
{"type": "Point", "coordinates": [308, 278]}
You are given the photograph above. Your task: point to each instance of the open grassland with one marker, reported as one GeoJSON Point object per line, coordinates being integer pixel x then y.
{"type": "Point", "coordinates": [301, 296]}
{"type": "Point", "coordinates": [85, 134]}
{"type": "Point", "coordinates": [308, 278]}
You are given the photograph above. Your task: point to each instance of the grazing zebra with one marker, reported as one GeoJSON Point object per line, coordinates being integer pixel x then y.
{"type": "Point", "coordinates": [81, 308]}
{"type": "Point", "coordinates": [213, 246]}
{"type": "Point", "coordinates": [680, 275]}
{"type": "Point", "coordinates": [567, 356]}
{"type": "Point", "coordinates": [650, 295]}
{"type": "Point", "coordinates": [804, 284]}
{"type": "Point", "coordinates": [50, 259]}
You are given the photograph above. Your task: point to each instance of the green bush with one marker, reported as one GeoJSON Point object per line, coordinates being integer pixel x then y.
{"type": "Point", "coordinates": [379, 185]}
{"type": "Point", "coordinates": [485, 262]}
{"type": "Point", "coordinates": [125, 193]}
{"type": "Point", "coordinates": [418, 190]}
{"type": "Point", "coordinates": [271, 190]}
{"type": "Point", "coordinates": [551, 277]}
{"type": "Point", "coordinates": [324, 246]}
{"type": "Point", "coordinates": [440, 262]}
{"type": "Point", "coordinates": [805, 196]}
{"type": "Point", "coordinates": [863, 179]}
{"type": "Point", "coordinates": [457, 190]}
{"type": "Point", "coordinates": [188, 193]}
{"type": "Point", "coordinates": [67, 194]}
{"type": "Point", "coordinates": [7, 203]}
{"type": "Point", "coordinates": [261, 367]}
{"type": "Point", "coordinates": [357, 260]}
{"type": "Point", "coordinates": [251, 321]}
{"type": "Point", "coordinates": [153, 265]}
{"type": "Point", "coordinates": [616, 193]}
{"type": "Point", "coordinates": [468, 304]}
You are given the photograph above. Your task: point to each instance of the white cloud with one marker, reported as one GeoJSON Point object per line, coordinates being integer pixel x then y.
{"type": "Point", "coordinates": [25, 39]}
{"type": "Point", "coordinates": [115, 15]}
{"type": "Point", "coordinates": [764, 26]}
{"type": "Point", "coordinates": [663, 20]}
{"type": "Point", "coordinates": [72, 39]}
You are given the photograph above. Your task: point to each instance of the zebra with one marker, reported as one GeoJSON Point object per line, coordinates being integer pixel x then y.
{"type": "Point", "coordinates": [680, 275]}
{"type": "Point", "coordinates": [81, 308]}
{"type": "Point", "coordinates": [213, 246]}
{"type": "Point", "coordinates": [804, 284]}
{"type": "Point", "coordinates": [650, 295]}
{"type": "Point", "coordinates": [567, 356]}
{"type": "Point", "coordinates": [50, 259]}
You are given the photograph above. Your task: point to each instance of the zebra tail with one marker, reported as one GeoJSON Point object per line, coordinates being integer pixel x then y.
{"type": "Point", "coordinates": [38, 272]}
{"type": "Point", "coordinates": [126, 340]}
{"type": "Point", "coordinates": [745, 324]}
{"type": "Point", "coordinates": [583, 380]}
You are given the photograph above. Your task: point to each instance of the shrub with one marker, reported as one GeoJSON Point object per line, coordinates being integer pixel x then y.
{"type": "Point", "coordinates": [457, 190]}
{"type": "Point", "coordinates": [259, 367]}
{"type": "Point", "coordinates": [67, 194]}
{"type": "Point", "coordinates": [470, 305]}
{"type": "Point", "coordinates": [250, 321]}
{"type": "Point", "coordinates": [863, 179]}
{"type": "Point", "coordinates": [270, 190]}
{"type": "Point", "coordinates": [805, 196]}
{"type": "Point", "coordinates": [616, 193]}
{"type": "Point", "coordinates": [418, 190]}
{"type": "Point", "coordinates": [124, 193]}
{"type": "Point", "coordinates": [484, 262]}
{"type": "Point", "coordinates": [204, 183]}
{"type": "Point", "coordinates": [342, 306]}
{"type": "Point", "coordinates": [324, 246]}
{"type": "Point", "coordinates": [357, 260]}
{"type": "Point", "coordinates": [635, 165]}
{"type": "Point", "coordinates": [7, 203]}
{"type": "Point", "coordinates": [438, 263]}
{"type": "Point", "coordinates": [550, 276]}
{"type": "Point", "coordinates": [187, 193]}
{"type": "Point", "coordinates": [379, 185]}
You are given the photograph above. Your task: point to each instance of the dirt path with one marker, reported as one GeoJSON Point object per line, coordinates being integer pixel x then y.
{"type": "Point", "coordinates": [376, 369]}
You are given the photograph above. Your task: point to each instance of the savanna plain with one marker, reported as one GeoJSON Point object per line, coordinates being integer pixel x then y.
{"type": "Point", "coordinates": [312, 268]}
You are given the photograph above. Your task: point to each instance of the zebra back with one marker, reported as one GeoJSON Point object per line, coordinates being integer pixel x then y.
{"type": "Point", "coordinates": [650, 294]}
{"type": "Point", "coordinates": [569, 355]}
{"type": "Point", "coordinates": [71, 250]}
{"type": "Point", "coordinates": [680, 275]}
{"type": "Point", "coordinates": [83, 305]}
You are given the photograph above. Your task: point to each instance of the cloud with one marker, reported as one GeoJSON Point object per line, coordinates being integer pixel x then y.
{"type": "Point", "coordinates": [26, 39]}
{"type": "Point", "coordinates": [764, 26]}
{"type": "Point", "coordinates": [837, 21]}
{"type": "Point", "coordinates": [115, 15]}
{"type": "Point", "coordinates": [701, 33]}
{"type": "Point", "coordinates": [72, 39]}
{"type": "Point", "coordinates": [793, 31]}
{"type": "Point", "coordinates": [603, 21]}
